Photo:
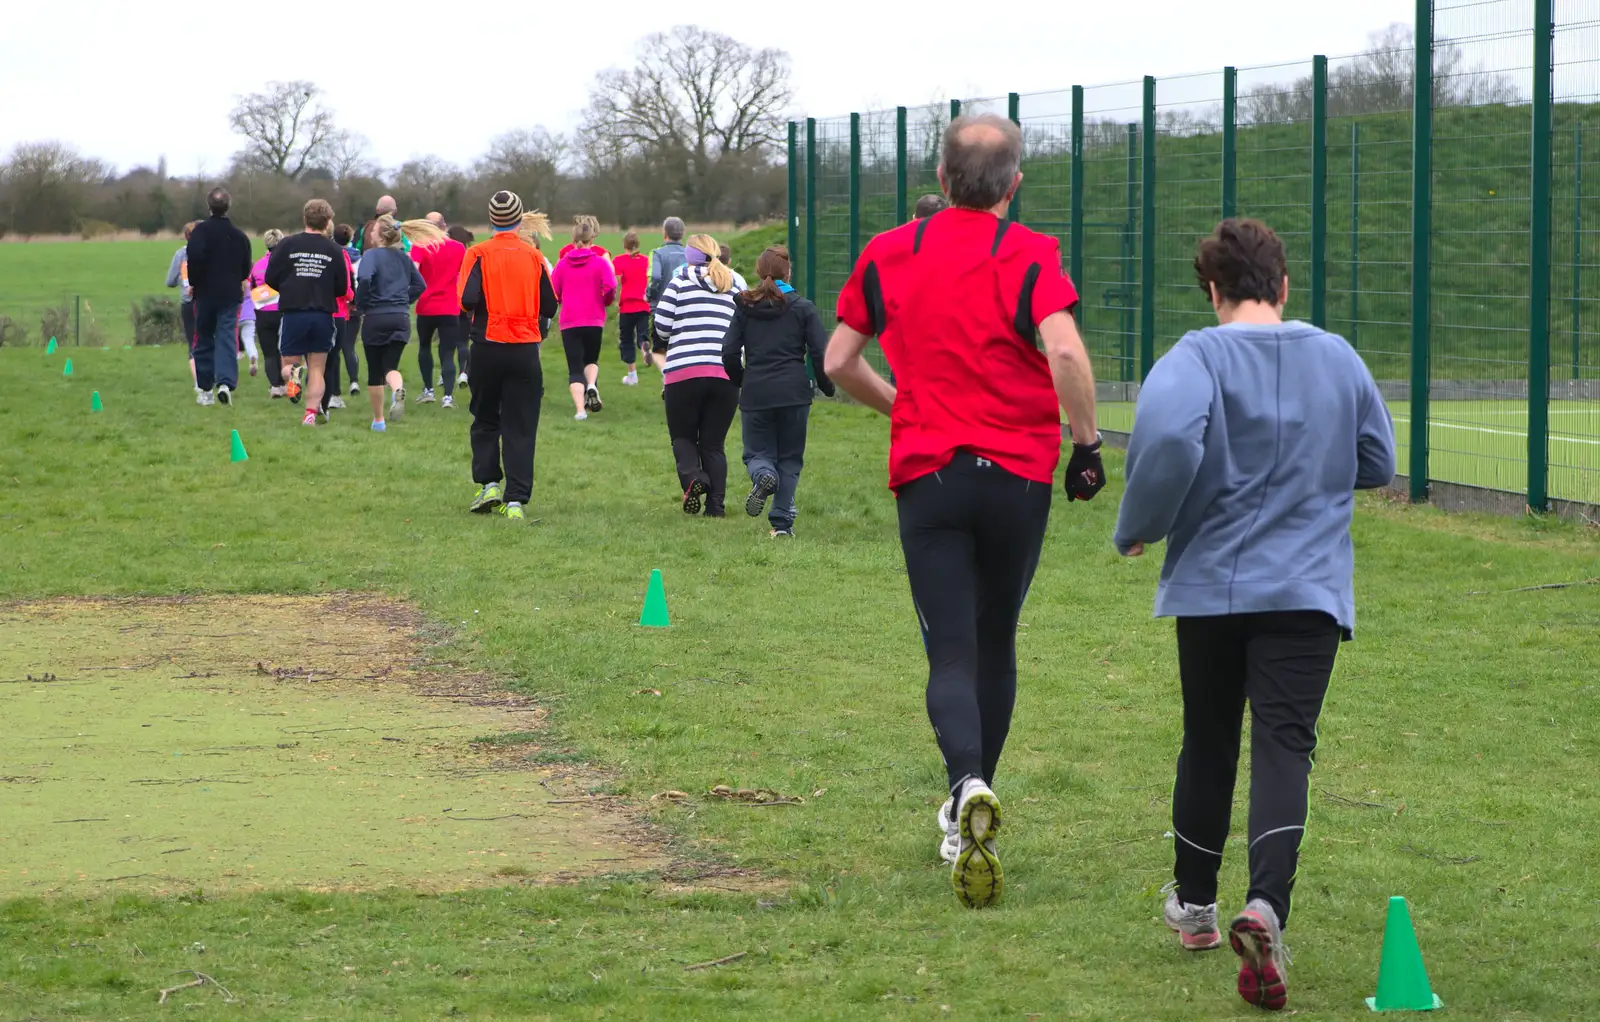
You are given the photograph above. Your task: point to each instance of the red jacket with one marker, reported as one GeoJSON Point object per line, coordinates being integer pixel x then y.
{"type": "Point", "coordinates": [633, 277]}
{"type": "Point", "coordinates": [440, 266]}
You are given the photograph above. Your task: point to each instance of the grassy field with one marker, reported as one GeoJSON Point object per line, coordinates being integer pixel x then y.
{"type": "Point", "coordinates": [1455, 769]}
{"type": "Point", "coordinates": [1485, 443]}
{"type": "Point", "coordinates": [109, 276]}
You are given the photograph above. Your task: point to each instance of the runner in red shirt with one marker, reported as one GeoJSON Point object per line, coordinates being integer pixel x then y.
{"type": "Point", "coordinates": [974, 316]}
{"type": "Point", "coordinates": [633, 313]}
{"type": "Point", "coordinates": [439, 312]}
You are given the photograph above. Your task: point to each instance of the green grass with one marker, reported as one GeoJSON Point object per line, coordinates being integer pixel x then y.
{"type": "Point", "coordinates": [1484, 443]}
{"type": "Point", "coordinates": [1456, 765]}
{"type": "Point", "coordinates": [110, 276]}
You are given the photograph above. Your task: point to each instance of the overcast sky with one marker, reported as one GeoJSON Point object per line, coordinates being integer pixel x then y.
{"type": "Point", "coordinates": [130, 81]}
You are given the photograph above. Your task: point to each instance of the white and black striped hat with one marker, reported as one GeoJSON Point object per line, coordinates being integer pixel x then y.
{"type": "Point", "coordinates": [505, 209]}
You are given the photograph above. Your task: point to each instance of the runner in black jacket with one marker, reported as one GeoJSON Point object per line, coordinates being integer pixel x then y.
{"type": "Point", "coordinates": [774, 329]}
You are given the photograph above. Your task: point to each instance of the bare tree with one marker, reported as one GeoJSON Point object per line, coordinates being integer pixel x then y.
{"type": "Point", "coordinates": [693, 97]}
{"type": "Point", "coordinates": [345, 156]}
{"type": "Point", "coordinates": [44, 187]}
{"type": "Point", "coordinates": [428, 183]}
{"type": "Point", "coordinates": [286, 128]}
{"type": "Point", "coordinates": [529, 162]}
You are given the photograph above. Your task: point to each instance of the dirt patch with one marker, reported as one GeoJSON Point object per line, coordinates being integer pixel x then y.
{"type": "Point", "coordinates": [247, 742]}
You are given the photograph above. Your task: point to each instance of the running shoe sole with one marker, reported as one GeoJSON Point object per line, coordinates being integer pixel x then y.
{"type": "Point", "coordinates": [224, 396]}
{"type": "Point", "coordinates": [487, 505]}
{"type": "Point", "coordinates": [1261, 982]}
{"type": "Point", "coordinates": [691, 497]}
{"type": "Point", "coordinates": [1197, 941]}
{"type": "Point", "coordinates": [764, 488]}
{"type": "Point", "coordinates": [976, 876]}
{"type": "Point", "coordinates": [591, 400]}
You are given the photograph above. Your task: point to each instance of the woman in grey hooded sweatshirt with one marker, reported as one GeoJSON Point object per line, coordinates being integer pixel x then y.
{"type": "Point", "coordinates": [390, 285]}
{"type": "Point", "coordinates": [1249, 442]}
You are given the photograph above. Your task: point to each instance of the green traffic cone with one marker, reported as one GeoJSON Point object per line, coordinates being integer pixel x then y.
{"type": "Point", "coordinates": [1402, 978]}
{"type": "Point", "coordinates": [50, 349]}
{"type": "Point", "coordinates": [66, 370]}
{"type": "Point", "coordinates": [655, 604]}
{"type": "Point", "coordinates": [94, 403]}
{"type": "Point", "coordinates": [238, 449]}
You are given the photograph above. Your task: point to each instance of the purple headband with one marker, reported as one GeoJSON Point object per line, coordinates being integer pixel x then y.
{"type": "Point", "coordinates": [697, 257]}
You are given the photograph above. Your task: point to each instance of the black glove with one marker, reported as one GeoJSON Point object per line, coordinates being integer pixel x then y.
{"type": "Point", "coordinates": [1086, 476]}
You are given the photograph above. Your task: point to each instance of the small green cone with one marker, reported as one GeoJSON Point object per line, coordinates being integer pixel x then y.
{"type": "Point", "coordinates": [66, 370]}
{"type": "Point", "coordinates": [1402, 978]}
{"type": "Point", "coordinates": [50, 349]}
{"type": "Point", "coordinates": [655, 604]}
{"type": "Point", "coordinates": [238, 449]}
{"type": "Point", "coordinates": [94, 403]}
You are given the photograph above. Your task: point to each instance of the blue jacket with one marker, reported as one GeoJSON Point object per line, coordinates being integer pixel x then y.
{"type": "Point", "coordinates": [389, 281]}
{"type": "Point", "coordinates": [1248, 443]}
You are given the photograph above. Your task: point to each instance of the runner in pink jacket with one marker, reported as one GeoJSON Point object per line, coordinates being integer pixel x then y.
{"type": "Point", "coordinates": [585, 286]}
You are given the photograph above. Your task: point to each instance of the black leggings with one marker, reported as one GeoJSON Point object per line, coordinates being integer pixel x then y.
{"type": "Point", "coordinates": [452, 342]}
{"type": "Point", "coordinates": [582, 345]}
{"type": "Point", "coordinates": [267, 336]}
{"type": "Point", "coordinates": [971, 534]}
{"type": "Point", "coordinates": [344, 346]}
{"type": "Point", "coordinates": [382, 359]}
{"type": "Point", "coordinates": [634, 335]}
{"type": "Point", "coordinates": [699, 413]}
{"type": "Point", "coordinates": [1280, 662]}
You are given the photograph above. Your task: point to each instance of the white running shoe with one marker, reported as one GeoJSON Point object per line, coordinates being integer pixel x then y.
{"type": "Point", "coordinates": [582, 416]}
{"type": "Point", "coordinates": [631, 379]}
{"type": "Point", "coordinates": [276, 392]}
{"type": "Point", "coordinates": [225, 394]}
{"type": "Point", "coordinates": [976, 874]}
{"type": "Point", "coordinates": [461, 381]}
{"type": "Point", "coordinates": [427, 396]}
{"type": "Point", "coordinates": [447, 402]}
{"type": "Point", "coordinates": [1195, 925]}
{"type": "Point", "coordinates": [335, 402]}
{"type": "Point", "coordinates": [355, 388]}
{"type": "Point", "coordinates": [397, 405]}
{"type": "Point", "coordinates": [950, 843]}
{"type": "Point", "coordinates": [205, 398]}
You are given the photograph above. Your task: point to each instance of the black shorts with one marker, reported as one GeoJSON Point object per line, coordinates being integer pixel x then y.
{"type": "Point", "coordinates": [582, 346]}
{"type": "Point", "coordinates": [382, 359]}
{"type": "Point", "coordinates": [381, 328]}
{"type": "Point", "coordinates": [305, 333]}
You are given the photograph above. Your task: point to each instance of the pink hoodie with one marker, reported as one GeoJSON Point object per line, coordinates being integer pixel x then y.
{"type": "Point", "coordinates": [585, 287]}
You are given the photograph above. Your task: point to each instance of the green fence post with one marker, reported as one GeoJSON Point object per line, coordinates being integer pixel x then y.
{"type": "Point", "coordinates": [955, 109]}
{"type": "Point", "coordinates": [1130, 227]}
{"type": "Point", "coordinates": [811, 208]}
{"type": "Point", "coordinates": [1319, 191]}
{"type": "Point", "coordinates": [1230, 142]}
{"type": "Point", "coordinates": [1577, 245]}
{"type": "Point", "coordinates": [1539, 265]}
{"type": "Point", "coordinates": [1075, 240]}
{"type": "Point", "coordinates": [1355, 234]}
{"type": "Point", "coordinates": [900, 215]}
{"type": "Point", "coordinates": [1421, 248]}
{"type": "Point", "coordinates": [1147, 243]}
{"type": "Point", "coordinates": [1014, 113]}
{"type": "Point", "coordinates": [794, 188]}
{"type": "Point", "coordinates": [855, 188]}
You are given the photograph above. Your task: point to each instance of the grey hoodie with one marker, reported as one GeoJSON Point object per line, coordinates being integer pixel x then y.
{"type": "Point", "coordinates": [175, 273]}
{"type": "Point", "coordinates": [1248, 443]}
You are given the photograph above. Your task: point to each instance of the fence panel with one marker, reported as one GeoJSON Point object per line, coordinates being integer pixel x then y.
{"type": "Point", "coordinates": [833, 211]}
{"type": "Point", "coordinates": [1274, 164]}
{"type": "Point", "coordinates": [1575, 256]}
{"type": "Point", "coordinates": [1189, 158]}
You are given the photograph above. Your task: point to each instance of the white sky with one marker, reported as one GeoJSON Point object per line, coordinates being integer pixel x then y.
{"type": "Point", "coordinates": [131, 80]}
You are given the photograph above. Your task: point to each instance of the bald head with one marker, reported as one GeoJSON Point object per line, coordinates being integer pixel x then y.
{"type": "Point", "coordinates": [435, 218]}
{"type": "Point", "coordinates": [387, 205]}
{"type": "Point", "coordinates": [982, 161]}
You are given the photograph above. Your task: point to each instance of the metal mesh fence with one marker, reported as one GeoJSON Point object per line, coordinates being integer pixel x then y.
{"type": "Point", "coordinates": [1325, 152]}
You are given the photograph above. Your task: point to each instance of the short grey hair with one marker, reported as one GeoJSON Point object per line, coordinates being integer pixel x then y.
{"type": "Point", "coordinates": [982, 156]}
{"type": "Point", "coordinates": [673, 228]}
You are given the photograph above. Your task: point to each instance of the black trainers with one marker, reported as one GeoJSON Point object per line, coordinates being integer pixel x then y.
{"type": "Point", "coordinates": [764, 487]}
{"type": "Point", "coordinates": [692, 497]}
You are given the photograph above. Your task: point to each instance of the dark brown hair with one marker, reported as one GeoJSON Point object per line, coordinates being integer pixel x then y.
{"type": "Point", "coordinates": [342, 234]}
{"type": "Point", "coordinates": [982, 156]}
{"type": "Point", "coordinates": [772, 267]}
{"type": "Point", "coordinates": [1245, 259]}
{"type": "Point", "coordinates": [630, 241]}
{"type": "Point", "coordinates": [930, 204]}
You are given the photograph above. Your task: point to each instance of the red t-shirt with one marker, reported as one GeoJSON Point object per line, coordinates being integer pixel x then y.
{"type": "Point", "coordinates": [440, 266]}
{"type": "Point", "coordinates": [955, 301]}
{"type": "Point", "coordinates": [568, 248]}
{"type": "Point", "coordinates": [633, 276]}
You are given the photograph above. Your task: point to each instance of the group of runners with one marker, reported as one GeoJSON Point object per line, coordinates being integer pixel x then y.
{"type": "Point", "coordinates": [1249, 441]}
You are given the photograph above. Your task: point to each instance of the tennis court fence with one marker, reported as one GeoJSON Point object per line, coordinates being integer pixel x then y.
{"type": "Point", "coordinates": [1451, 238]}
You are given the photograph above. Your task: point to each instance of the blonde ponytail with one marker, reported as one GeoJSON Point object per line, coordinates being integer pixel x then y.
{"type": "Point", "coordinates": [421, 233]}
{"type": "Point", "coordinates": [584, 230]}
{"type": "Point", "coordinates": [534, 225]}
{"type": "Point", "coordinates": [716, 270]}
